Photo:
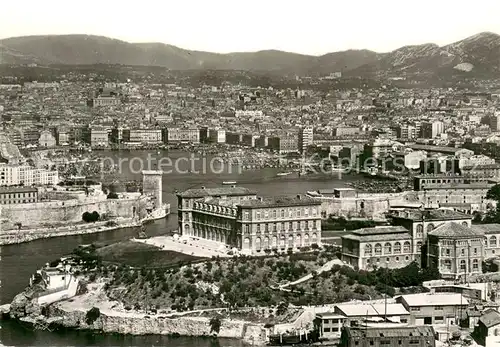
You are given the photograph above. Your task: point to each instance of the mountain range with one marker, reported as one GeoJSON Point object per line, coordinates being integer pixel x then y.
{"type": "Point", "coordinates": [478, 55]}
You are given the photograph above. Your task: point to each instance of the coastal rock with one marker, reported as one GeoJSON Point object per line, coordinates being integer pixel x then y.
{"type": "Point", "coordinates": [24, 305]}
{"type": "Point", "coordinates": [138, 324]}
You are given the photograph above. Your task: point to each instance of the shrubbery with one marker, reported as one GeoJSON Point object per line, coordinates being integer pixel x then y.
{"type": "Point", "coordinates": [90, 217]}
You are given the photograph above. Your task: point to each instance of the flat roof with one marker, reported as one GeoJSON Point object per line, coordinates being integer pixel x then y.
{"type": "Point", "coordinates": [435, 299]}
{"type": "Point", "coordinates": [11, 189]}
{"type": "Point", "coordinates": [280, 201]}
{"type": "Point", "coordinates": [219, 191]}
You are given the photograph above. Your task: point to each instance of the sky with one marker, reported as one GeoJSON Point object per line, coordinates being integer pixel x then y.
{"type": "Point", "coordinates": [303, 26]}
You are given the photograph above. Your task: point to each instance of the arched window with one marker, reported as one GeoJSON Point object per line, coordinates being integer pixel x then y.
{"type": "Point", "coordinates": [465, 224]}
{"type": "Point", "coordinates": [430, 227]}
{"type": "Point", "coordinates": [378, 249]}
{"type": "Point", "coordinates": [420, 231]}
{"type": "Point", "coordinates": [368, 250]}
{"type": "Point", "coordinates": [397, 248]}
{"type": "Point", "coordinates": [462, 265]}
{"type": "Point", "coordinates": [258, 244]}
{"type": "Point", "coordinates": [493, 241]}
{"type": "Point", "coordinates": [419, 246]}
{"type": "Point", "coordinates": [406, 247]}
{"type": "Point", "coordinates": [387, 248]}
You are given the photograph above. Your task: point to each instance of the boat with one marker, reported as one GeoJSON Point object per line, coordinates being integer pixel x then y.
{"type": "Point", "coordinates": [283, 173]}
{"type": "Point", "coordinates": [228, 183]}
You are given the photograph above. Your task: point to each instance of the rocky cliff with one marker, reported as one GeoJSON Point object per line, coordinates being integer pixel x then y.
{"type": "Point", "coordinates": [157, 324]}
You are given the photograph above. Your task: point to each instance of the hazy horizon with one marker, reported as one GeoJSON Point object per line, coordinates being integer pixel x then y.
{"type": "Point", "coordinates": [219, 26]}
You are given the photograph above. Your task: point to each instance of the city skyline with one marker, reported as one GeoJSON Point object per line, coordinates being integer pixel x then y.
{"type": "Point", "coordinates": [217, 26]}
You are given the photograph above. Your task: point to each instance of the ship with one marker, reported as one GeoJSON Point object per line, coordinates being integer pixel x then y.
{"type": "Point", "coordinates": [283, 173]}
{"type": "Point", "coordinates": [228, 183]}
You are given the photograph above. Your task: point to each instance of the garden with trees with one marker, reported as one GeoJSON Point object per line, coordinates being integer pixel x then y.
{"type": "Point", "coordinates": [240, 282]}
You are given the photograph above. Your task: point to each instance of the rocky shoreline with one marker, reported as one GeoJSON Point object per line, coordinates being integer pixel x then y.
{"type": "Point", "coordinates": [63, 314]}
{"type": "Point", "coordinates": [11, 237]}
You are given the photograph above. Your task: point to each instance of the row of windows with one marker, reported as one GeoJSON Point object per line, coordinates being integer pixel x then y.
{"type": "Point", "coordinates": [463, 264]}
{"type": "Point", "coordinates": [387, 260]}
{"type": "Point", "coordinates": [16, 195]}
{"type": "Point", "coordinates": [284, 213]}
{"type": "Point", "coordinates": [388, 249]}
{"type": "Point", "coordinates": [267, 227]}
{"type": "Point", "coordinates": [447, 251]}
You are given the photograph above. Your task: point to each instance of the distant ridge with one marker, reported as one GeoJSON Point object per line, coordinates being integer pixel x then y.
{"type": "Point", "coordinates": [477, 55]}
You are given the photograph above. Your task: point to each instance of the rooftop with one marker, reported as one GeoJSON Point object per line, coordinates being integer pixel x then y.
{"type": "Point", "coordinates": [441, 149]}
{"type": "Point", "coordinates": [220, 191]}
{"type": "Point", "coordinates": [6, 190]}
{"type": "Point", "coordinates": [431, 215]}
{"type": "Point", "coordinates": [440, 299]}
{"type": "Point", "coordinates": [487, 228]}
{"type": "Point", "coordinates": [455, 230]}
{"type": "Point", "coordinates": [280, 201]}
{"type": "Point", "coordinates": [402, 331]}
{"type": "Point", "coordinates": [490, 318]}
{"type": "Point", "coordinates": [385, 233]}
{"type": "Point", "coordinates": [351, 310]}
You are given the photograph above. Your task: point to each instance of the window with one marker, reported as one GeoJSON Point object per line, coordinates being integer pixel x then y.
{"type": "Point", "coordinates": [385, 342]}
{"type": "Point", "coordinates": [430, 227]}
{"type": "Point", "coordinates": [414, 342]}
{"type": "Point", "coordinates": [462, 265]}
{"type": "Point", "coordinates": [406, 247]}
{"type": "Point", "coordinates": [493, 241]}
{"type": "Point", "coordinates": [403, 320]}
{"type": "Point", "coordinates": [438, 308]}
{"type": "Point", "coordinates": [415, 309]}
{"type": "Point", "coordinates": [326, 330]}
{"type": "Point", "coordinates": [282, 213]}
{"type": "Point", "coordinates": [368, 250]}
{"type": "Point", "coordinates": [420, 231]}
{"type": "Point", "coordinates": [371, 343]}
{"type": "Point", "coordinates": [475, 264]}
{"type": "Point", "coordinates": [387, 248]}
{"type": "Point", "coordinates": [397, 248]}
{"type": "Point", "coordinates": [258, 228]}
{"type": "Point", "coordinates": [378, 249]}
{"type": "Point", "coordinates": [419, 246]}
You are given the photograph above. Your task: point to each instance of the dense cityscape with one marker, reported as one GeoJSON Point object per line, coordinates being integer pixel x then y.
{"type": "Point", "coordinates": [272, 209]}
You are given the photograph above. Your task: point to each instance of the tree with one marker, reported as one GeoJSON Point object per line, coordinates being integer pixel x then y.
{"type": "Point", "coordinates": [215, 324]}
{"type": "Point", "coordinates": [95, 216]}
{"type": "Point", "coordinates": [86, 217]}
{"type": "Point", "coordinates": [494, 193]}
{"type": "Point", "coordinates": [112, 195]}
{"type": "Point", "coordinates": [92, 315]}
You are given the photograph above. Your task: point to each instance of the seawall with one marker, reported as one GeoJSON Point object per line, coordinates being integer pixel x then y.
{"type": "Point", "coordinates": [26, 235]}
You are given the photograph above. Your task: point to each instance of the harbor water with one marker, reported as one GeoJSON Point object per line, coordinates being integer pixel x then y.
{"type": "Point", "coordinates": [19, 262]}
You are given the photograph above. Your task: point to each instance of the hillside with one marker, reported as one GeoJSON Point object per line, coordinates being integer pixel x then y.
{"type": "Point", "coordinates": [478, 55]}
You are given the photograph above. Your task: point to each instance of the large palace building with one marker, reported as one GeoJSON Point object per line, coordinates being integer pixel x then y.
{"type": "Point", "coordinates": [236, 217]}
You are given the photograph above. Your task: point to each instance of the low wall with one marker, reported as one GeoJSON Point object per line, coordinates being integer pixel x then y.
{"type": "Point", "coordinates": [60, 295]}
{"type": "Point", "coordinates": [71, 211]}
{"type": "Point", "coordinates": [138, 324]}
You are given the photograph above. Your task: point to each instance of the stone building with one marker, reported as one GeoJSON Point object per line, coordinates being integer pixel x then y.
{"type": "Point", "coordinates": [421, 222]}
{"type": "Point", "coordinates": [400, 336]}
{"type": "Point", "coordinates": [466, 194]}
{"type": "Point", "coordinates": [368, 248]}
{"type": "Point", "coordinates": [491, 239]}
{"type": "Point", "coordinates": [47, 139]}
{"type": "Point", "coordinates": [456, 250]}
{"type": "Point", "coordinates": [236, 217]}
{"type": "Point", "coordinates": [399, 245]}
